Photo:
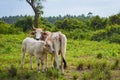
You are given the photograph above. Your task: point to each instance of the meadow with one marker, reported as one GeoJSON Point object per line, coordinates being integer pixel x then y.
{"type": "Point", "coordinates": [87, 60]}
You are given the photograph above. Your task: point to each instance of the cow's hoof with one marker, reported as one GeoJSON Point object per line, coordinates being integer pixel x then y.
{"type": "Point", "coordinates": [39, 71]}
{"type": "Point", "coordinates": [43, 71]}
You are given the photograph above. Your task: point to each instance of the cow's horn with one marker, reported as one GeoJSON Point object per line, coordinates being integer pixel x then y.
{"type": "Point", "coordinates": [33, 27]}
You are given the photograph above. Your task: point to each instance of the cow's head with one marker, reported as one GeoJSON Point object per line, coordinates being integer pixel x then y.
{"type": "Point", "coordinates": [49, 47]}
{"type": "Point", "coordinates": [37, 33]}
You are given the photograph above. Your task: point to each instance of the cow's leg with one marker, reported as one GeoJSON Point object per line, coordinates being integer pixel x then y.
{"type": "Point", "coordinates": [57, 60]}
{"type": "Point", "coordinates": [56, 45]}
{"type": "Point", "coordinates": [31, 67]}
{"type": "Point", "coordinates": [63, 52]}
{"type": "Point", "coordinates": [62, 69]}
{"type": "Point", "coordinates": [52, 61]}
{"type": "Point", "coordinates": [22, 60]}
{"type": "Point", "coordinates": [38, 63]}
{"type": "Point", "coordinates": [63, 63]}
{"type": "Point", "coordinates": [42, 65]}
{"type": "Point", "coordinates": [46, 61]}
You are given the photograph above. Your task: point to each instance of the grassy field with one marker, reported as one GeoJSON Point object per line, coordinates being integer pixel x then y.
{"type": "Point", "coordinates": [87, 60]}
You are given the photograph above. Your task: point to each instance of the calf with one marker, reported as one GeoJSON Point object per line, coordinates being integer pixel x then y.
{"type": "Point", "coordinates": [35, 48]}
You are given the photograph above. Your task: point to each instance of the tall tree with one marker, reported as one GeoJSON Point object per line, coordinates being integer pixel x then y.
{"type": "Point", "coordinates": [37, 8]}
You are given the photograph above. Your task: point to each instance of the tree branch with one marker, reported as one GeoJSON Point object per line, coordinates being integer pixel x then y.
{"type": "Point", "coordinates": [31, 2]}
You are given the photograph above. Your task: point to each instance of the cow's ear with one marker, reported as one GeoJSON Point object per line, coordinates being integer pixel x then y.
{"type": "Point", "coordinates": [33, 33]}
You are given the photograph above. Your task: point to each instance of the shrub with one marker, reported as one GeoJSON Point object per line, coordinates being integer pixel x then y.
{"type": "Point", "coordinates": [12, 71]}
{"type": "Point", "coordinates": [116, 64]}
{"type": "Point", "coordinates": [75, 76]}
{"type": "Point", "coordinates": [101, 72]}
{"type": "Point", "coordinates": [52, 73]}
{"type": "Point", "coordinates": [80, 66]}
{"type": "Point", "coordinates": [115, 38]}
{"type": "Point", "coordinates": [99, 56]}
{"type": "Point", "coordinates": [99, 35]}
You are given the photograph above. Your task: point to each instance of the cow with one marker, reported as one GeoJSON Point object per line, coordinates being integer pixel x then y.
{"type": "Point", "coordinates": [35, 48]}
{"type": "Point", "coordinates": [58, 41]}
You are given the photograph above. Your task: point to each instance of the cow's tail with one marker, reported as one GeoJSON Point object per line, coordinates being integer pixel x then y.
{"type": "Point", "coordinates": [65, 64]}
{"type": "Point", "coordinates": [63, 42]}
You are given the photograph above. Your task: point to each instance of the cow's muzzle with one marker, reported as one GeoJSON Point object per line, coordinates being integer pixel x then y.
{"type": "Point", "coordinates": [37, 39]}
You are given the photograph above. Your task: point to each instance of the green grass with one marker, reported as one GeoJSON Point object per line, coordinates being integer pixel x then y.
{"type": "Point", "coordinates": [84, 58]}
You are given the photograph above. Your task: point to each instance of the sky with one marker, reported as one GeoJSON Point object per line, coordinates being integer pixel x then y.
{"type": "Point", "coordinates": [103, 8]}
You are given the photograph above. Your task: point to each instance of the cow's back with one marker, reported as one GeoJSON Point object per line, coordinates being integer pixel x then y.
{"type": "Point", "coordinates": [31, 45]}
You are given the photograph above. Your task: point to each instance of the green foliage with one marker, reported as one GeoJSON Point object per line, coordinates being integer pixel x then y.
{"type": "Point", "coordinates": [52, 73]}
{"type": "Point", "coordinates": [116, 64]}
{"type": "Point", "coordinates": [75, 76]}
{"type": "Point", "coordinates": [46, 25]}
{"type": "Point", "coordinates": [114, 19]}
{"type": "Point", "coordinates": [11, 19]}
{"type": "Point", "coordinates": [115, 38]}
{"type": "Point", "coordinates": [110, 33]}
{"type": "Point", "coordinates": [80, 66]}
{"type": "Point", "coordinates": [70, 24]}
{"type": "Point", "coordinates": [98, 23]}
{"type": "Point", "coordinates": [113, 29]}
{"type": "Point", "coordinates": [99, 35]}
{"type": "Point", "coordinates": [7, 29]}
{"type": "Point", "coordinates": [12, 71]}
{"type": "Point", "coordinates": [25, 24]}
{"type": "Point", "coordinates": [99, 56]}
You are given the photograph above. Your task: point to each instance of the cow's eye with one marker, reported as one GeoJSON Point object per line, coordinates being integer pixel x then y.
{"type": "Point", "coordinates": [48, 45]}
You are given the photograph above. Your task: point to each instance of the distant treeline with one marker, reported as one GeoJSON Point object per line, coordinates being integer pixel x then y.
{"type": "Point", "coordinates": [75, 27]}
{"type": "Point", "coordinates": [51, 19]}
{"type": "Point", "coordinates": [11, 19]}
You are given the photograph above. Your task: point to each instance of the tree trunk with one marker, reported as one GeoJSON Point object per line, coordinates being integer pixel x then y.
{"type": "Point", "coordinates": [36, 19]}
{"type": "Point", "coordinates": [36, 11]}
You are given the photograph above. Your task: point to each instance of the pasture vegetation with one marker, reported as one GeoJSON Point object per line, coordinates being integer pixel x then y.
{"type": "Point", "coordinates": [87, 60]}
{"type": "Point", "coordinates": [93, 50]}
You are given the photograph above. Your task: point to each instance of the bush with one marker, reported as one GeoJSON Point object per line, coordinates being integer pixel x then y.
{"type": "Point", "coordinates": [110, 33]}
{"type": "Point", "coordinates": [99, 35]}
{"type": "Point", "coordinates": [7, 29]}
{"type": "Point", "coordinates": [115, 38]}
{"type": "Point", "coordinates": [113, 29]}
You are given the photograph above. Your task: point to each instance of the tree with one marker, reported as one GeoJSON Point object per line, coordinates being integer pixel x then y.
{"type": "Point", "coordinates": [98, 23]}
{"type": "Point", "coordinates": [114, 19]}
{"type": "Point", "coordinates": [37, 8]}
{"type": "Point", "coordinates": [25, 24]}
{"type": "Point", "coordinates": [90, 14]}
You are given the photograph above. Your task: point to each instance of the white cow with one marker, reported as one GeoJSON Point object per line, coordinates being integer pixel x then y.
{"type": "Point", "coordinates": [58, 41]}
{"type": "Point", "coordinates": [35, 48]}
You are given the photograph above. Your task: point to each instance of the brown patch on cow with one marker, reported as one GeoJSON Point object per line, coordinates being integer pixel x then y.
{"type": "Point", "coordinates": [44, 35]}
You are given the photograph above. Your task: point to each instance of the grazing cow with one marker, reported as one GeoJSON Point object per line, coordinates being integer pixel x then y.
{"type": "Point", "coordinates": [35, 48]}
